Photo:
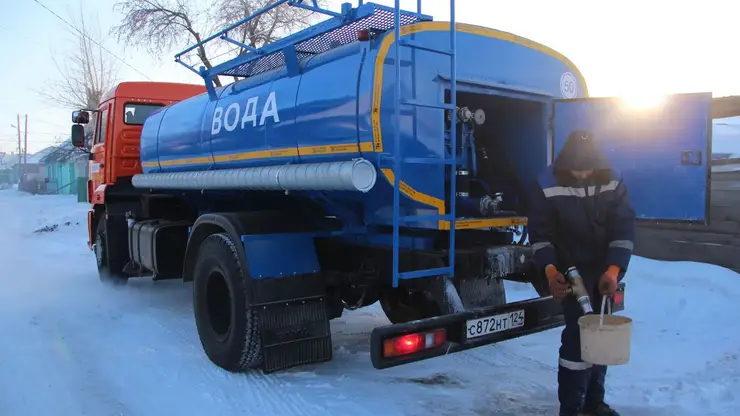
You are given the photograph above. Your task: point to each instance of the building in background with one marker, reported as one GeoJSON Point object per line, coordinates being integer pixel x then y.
{"type": "Point", "coordinates": [32, 172]}
{"type": "Point", "coordinates": [7, 173]}
{"type": "Point", "coordinates": [53, 170]}
{"type": "Point", "coordinates": [64, 166]}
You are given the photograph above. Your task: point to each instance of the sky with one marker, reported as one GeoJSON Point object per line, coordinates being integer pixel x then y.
{"type": "Point", "coordinates": [623, 48]}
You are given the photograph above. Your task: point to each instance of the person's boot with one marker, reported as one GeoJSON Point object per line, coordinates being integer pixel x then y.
{"type": "Point", "coordinates": [601, 409]}
{"type": "Point", "coordinates": [594, 402]}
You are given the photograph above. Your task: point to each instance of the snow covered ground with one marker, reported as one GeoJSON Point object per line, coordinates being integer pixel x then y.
{"type": "Point", "coordinates": [725, 136]}
{"type": "Point", "coordinates": [70, 346]}
{"type": "Point", "coordinates": [725, 143]}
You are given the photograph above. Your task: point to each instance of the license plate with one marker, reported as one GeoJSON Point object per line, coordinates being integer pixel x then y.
{"type": "Point", "coordinates": [491, 324]}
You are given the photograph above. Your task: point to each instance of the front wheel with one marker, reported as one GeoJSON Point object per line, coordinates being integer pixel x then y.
{"type": "Point", "coordinates": [226, 326]}
{"type": "Point", "coordinates": [102, 257]}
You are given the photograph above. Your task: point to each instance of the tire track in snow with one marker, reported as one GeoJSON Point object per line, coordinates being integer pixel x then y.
{"type": "Point", "coordinates": [47, 354]}
{"type": "Point", "coordinates": [250, 390]}
{"type": "Point", "coordinates": [517, 383]}
{"type": "Point", "coordinates": [504, 364]}
{"type": "Point", "coordinates": [498, 355]}
{"type": "Point", "coordinates": [96, 396]}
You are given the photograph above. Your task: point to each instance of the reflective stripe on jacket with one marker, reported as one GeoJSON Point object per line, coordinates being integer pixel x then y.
{"type": "Point", "coordinates": [594, 224]}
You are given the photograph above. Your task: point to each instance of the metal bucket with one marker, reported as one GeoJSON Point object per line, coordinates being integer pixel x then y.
{"type": "Point", "coordinates": [605, 339]}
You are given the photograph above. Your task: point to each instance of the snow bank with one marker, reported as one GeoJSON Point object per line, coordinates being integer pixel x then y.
{"type": "Point", "coordinates": [726, 136]}
{"type": "Point", "coordinates": [72, 346]}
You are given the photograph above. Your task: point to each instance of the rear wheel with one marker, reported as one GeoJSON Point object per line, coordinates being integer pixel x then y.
{"type": "Point", "coordinates": [402, 306]}
{"type": "Point", "coordinates": [226, 326]}
{"type": "Point", "coordinates": [107, 276]}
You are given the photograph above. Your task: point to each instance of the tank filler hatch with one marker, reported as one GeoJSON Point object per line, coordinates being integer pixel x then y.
{"type": "Point", "coordinates": [341, 29]}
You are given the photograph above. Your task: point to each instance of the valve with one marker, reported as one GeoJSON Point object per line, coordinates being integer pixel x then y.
{"type": "Point", "coordinates": [491, 205]}
{"type": "Point", "coordinates": [465, 115]}
{"type": "Point", "coordinates": [479, 116]}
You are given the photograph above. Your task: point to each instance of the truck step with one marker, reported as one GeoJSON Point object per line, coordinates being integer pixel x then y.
{"type": "Point", "coordinates": [294, 332]}
{"type": "Point", "coordinates": [423, 218]}
{"type": "Point", "coordinates": [425, 273]}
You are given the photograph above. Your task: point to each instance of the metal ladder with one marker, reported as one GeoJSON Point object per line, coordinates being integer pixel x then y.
{"type": "Point", "coordinates": [399, 160]}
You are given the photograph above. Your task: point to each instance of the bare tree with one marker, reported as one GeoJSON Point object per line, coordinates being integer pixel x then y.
{"type": "Point", "coordinates": [160, 25]}
{"type": "Point", "coordinates": [85, 75]}
{"type": "Point", "coordinates": [265, 28]}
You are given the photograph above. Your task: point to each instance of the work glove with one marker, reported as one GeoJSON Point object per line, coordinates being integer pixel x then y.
{"type": "Point", "coordinates": [608, 281]}
{"type": "Point", "coordinates": [558, 285]}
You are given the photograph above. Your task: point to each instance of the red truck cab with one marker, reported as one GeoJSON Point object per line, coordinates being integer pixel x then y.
{"type": "Point", "coordinates": [114, 132]}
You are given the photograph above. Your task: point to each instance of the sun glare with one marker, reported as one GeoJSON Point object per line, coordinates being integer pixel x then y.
{"type": "Point", "coordinates": [643, 101]}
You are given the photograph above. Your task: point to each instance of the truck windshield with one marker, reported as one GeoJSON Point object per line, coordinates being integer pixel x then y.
{"type": "Point", "coordinates": [135, 114]}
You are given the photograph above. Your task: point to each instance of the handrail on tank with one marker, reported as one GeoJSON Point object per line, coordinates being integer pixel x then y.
{"type": "Point", "coordinates": [224, 32]}
{"type": "Point", "coordinates": [347, 16]}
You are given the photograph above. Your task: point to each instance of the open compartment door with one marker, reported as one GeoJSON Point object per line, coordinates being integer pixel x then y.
{"type": "Point", "coordinates": [663, 152]}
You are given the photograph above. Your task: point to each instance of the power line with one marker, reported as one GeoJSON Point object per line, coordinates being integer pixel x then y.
{"type": "Point", "coordinates": [213, 58]}
{"type": "Point", "coordinates": [41, 132]}
{"type": "Point", "coordinates": [90, 39]}
{"type": "Point", "coordinates": [49, 123]}
{"type": "Point", "coordinates": [224, 53]}
{"type": "Point", "coordinates": [35, 133]}
{"type": "Point", "coordinates": [9, 140]}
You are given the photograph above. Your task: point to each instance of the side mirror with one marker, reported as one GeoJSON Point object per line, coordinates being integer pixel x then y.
{"type": "Point", "coordinates": [78, 136]}
{"type": "Point", "coordinates": [80, 117]}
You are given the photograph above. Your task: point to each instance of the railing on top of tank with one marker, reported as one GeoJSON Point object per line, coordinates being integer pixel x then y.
{"type": "Point", "coordinates": [342, 28]}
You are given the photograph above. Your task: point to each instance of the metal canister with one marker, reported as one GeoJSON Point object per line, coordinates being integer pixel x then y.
{"type": "Point", "coordinates": [578, 289]}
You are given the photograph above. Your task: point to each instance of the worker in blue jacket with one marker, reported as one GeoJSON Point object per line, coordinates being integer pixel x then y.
{"type": "Point", "coordinates": [581, 216]}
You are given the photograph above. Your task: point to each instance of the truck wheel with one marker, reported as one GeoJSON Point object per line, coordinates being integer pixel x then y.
{"type": "Point", "coordinates": [226, 326]}
{"type": "Point", "coordinates": [402, 306]}
{"type": "Point", "coordinates": [107, 276]}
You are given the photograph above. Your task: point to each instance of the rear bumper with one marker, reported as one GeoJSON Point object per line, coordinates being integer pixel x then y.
{"type": "Point", "coordinates": [540, 314]}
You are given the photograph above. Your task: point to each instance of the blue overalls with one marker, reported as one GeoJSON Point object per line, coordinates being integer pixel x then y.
{"type": "Point", "coordinates": [588, 224]}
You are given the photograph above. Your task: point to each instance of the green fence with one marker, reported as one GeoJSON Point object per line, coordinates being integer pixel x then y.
{"type": "Point", "coordinates": [67, 179]}
{"type": "Point", "coordinates": [81, 189]}
{"type": "Point", "coordinates": [6, 176]}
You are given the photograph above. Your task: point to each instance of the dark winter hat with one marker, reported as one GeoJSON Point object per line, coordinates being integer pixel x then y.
{"type": "Point", "coordinates": [581, 152]}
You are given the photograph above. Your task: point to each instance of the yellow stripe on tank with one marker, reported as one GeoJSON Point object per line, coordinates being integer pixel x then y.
{"type": "Point", "coordinates": [440, 206]}
{"type": "Point", "coordinates": [375, 114]}
{"type": "Point", "coordinates": [377, 144]}
{"type": "Point", "coordinates": [329, 149]}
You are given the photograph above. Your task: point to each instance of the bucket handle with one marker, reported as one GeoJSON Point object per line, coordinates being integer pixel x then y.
{"type": "Point", "coordinates": [604, 303]}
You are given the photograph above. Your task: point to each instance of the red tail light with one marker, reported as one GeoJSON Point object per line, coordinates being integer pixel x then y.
{"type": "Point", "coordinates": [411, 343]}
{"type": "Point", "coordinates": [619, 299]}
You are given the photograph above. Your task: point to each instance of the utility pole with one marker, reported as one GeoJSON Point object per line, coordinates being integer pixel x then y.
{"type": "Point", "coordinates": [25, 142]}
{"type": "Point", "coordinates": [20, 160]}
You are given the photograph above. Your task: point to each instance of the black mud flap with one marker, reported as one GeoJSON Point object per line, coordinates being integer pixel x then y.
{"type": "Point", "coordinates": [474, 328]}
{"type": "Point", "coordinates": [295, 331]}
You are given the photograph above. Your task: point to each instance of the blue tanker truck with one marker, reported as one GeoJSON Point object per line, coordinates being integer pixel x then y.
{"type": "Point", "coordinates": [377, 156]}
